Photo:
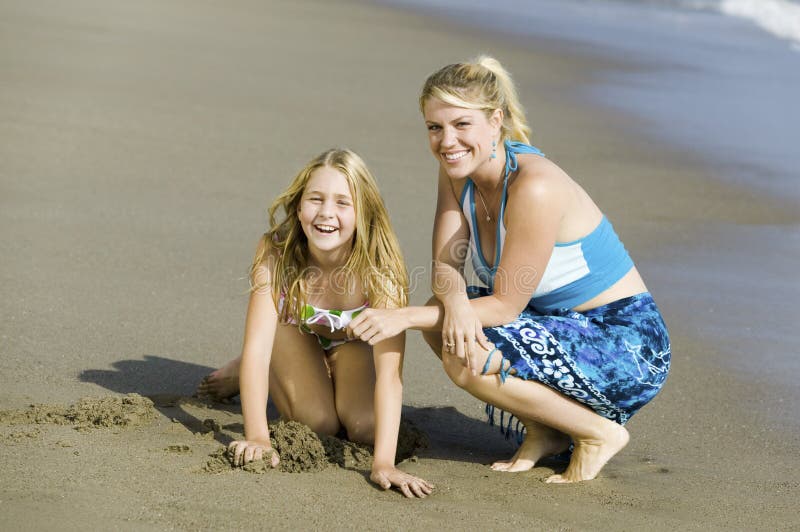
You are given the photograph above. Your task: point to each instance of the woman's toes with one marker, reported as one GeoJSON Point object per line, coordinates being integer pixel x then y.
{"type": "Point", "coordinates": [521, 465]}
{"type": "Point", "coordinates": [501, 465]}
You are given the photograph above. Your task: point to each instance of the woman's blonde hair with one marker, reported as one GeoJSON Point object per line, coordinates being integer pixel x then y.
{"type": "Point", "coordinates": [481, 84]}
{"type": "Point", "coordinates": [375, 260]}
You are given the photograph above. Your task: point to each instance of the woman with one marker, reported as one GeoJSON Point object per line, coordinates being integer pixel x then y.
{"type": "Point", "coordinates": [564, 335]}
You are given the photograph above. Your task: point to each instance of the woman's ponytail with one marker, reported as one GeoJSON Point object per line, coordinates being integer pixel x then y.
{"type": "Point", "coordinates": [515, 125]}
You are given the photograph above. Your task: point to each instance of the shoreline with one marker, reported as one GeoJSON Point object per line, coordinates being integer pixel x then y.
{"type": "Point", "coordinates": [690, 79]}
{"type": "Point", "coordinates": [137, 178]}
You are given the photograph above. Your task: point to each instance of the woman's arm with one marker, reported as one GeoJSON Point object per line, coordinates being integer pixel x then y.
{"type": "Point", "coordinates": [535, 208]}
{"type": "Point", "coordinates": [260, 326]}
{"type": "Point", "coordinates": [450, 244]}
{"type": "Point", "coordinates": [388, 357]}
{"type": "Point", "coordinates": [461, 327]}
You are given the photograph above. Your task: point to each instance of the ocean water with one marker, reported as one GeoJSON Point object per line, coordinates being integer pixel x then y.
{"type": "Point", "coordinates": [720, 78]}
{"type": "Point", "coordinates": [778, 17]}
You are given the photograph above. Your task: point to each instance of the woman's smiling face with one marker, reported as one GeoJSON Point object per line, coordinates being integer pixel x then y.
{"type": "Point", "coordinates": [460, 139]}
{"type": "Point", "coordinates": [327, 212]}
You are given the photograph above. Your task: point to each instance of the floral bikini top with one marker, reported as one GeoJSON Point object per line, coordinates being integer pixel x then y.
{"type": "Point", "coordinates": [335, 319]}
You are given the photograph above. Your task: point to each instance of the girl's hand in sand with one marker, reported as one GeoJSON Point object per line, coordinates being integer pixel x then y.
{"type": "Point", "coordinates": [374, 325]}
{"type": "Point", "coordinates": [242, 452]}
{"type": "Point", "coordinates": [462, 332]}
{"type": "Point", "coordinates": [409, 485]}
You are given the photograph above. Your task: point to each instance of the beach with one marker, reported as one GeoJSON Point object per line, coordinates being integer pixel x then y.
{"type": "Point", "coordinates": [140, 145]}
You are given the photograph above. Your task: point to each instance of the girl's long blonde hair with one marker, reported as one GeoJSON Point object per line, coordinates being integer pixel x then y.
{"type": "Point", "coordinates": [481, 84]}
{"type": "Point", "coordinates": [375, 260]}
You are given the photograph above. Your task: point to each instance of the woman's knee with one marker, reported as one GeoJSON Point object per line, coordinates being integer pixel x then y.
{"type": "Point", "coordinates": [458, 373]}
{"type": "Point", "coordinates": [434, 340]}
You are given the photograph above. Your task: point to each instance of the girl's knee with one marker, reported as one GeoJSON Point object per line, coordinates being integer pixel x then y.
{"type": "Point", "coordinates": [360, 428]}
{"type": "Point", "coordinates": [325, 425]}
{"type": "Point", "coordinates": [320, 420]}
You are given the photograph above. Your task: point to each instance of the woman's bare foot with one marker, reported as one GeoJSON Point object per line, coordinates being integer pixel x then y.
{"type": "Point", "coordinates": [589, 456]}
{"type": "Point", "coordinates": [540, 441]}
{"type": "Point", "coordinates": [221, 384]}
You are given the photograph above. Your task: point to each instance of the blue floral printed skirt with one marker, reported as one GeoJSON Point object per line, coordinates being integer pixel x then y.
{"type": "Point", "coordinates": [614, 358]}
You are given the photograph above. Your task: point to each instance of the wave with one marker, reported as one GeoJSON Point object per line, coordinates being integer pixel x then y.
{"type": "Point", "coordinates": [779, 17]}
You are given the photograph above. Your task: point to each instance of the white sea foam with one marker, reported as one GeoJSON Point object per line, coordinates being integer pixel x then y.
{"type": "Point", "coordinates": [779, 17]}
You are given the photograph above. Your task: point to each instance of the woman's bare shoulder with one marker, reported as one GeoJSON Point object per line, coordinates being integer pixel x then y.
{"type": "Point", "coordinates": [540, 179]}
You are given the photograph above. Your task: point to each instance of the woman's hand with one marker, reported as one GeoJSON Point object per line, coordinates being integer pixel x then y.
{"type": "Point", "coordinates": [245, 451]}
{"type": "Point", "coordinates": [409, 485]}
{"type": "Point", "coordinates": [462, 332]}
{"type": "Point", "coordinates": [374, 325]}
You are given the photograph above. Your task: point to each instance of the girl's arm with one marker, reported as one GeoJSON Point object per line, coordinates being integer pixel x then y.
{"type": "Point", "coordinates": [260, 327]}
{"type": "Point", "coordinates": [388, 357]}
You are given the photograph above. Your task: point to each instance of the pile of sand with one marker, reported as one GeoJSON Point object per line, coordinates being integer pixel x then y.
{"type": "Point", "coordinates": [302, 450]}
{"type": "Point", "coordinates": [90, 412]}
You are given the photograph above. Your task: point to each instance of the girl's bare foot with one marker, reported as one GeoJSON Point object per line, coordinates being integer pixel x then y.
{"type": "Point", "coordinates": [540, 441]}
{"type": "Point", "coordinates": [589, 456]}
{"type": "Point", "coordinates": [221, 384]}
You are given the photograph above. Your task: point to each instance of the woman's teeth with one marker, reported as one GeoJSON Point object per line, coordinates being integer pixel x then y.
{"type": "Point", "coordinates": [455, 156]}
{"type": "Point", "coordinates": [325, 228]}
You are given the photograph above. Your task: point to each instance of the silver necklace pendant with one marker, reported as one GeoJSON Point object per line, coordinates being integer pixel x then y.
{"type": "Point", "coordinates": [488, 218]}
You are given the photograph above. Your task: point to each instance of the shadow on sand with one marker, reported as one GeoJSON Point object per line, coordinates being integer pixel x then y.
{"type": "Point", "coordinates": [171, 383]}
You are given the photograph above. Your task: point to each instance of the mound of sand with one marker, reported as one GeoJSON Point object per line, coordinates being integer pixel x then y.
{"type": "Point", "coordinates": [301, 450]}
{"type": "Point", "coordinates": [89, 412]}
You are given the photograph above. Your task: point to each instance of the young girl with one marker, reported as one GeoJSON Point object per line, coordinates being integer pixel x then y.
{"type": "Point", "coordinates": [564, 334]}
{"type": "Point", "coordinates": [332, 255]}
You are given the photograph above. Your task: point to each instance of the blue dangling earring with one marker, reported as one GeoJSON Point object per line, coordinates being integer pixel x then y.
{"type": "Point", "coordinates": [494, 150]}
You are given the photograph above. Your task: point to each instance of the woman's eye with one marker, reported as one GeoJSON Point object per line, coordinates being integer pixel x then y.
{"type": "Point", "coordinates": [463, 124]}
{"type": "Point", "coordinates": [344, 203]}
{"type": "Point", "coordinates": [434, 128]}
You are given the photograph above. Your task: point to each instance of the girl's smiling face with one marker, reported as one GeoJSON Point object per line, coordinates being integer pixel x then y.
{"type": "Point", "coordinates": [460, 139]}
{"type": "Point", "coordinates": [327, 213]}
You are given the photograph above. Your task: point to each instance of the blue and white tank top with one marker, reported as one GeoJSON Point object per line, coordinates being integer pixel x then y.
{"type": "Point", "coordinates": [576, 272]}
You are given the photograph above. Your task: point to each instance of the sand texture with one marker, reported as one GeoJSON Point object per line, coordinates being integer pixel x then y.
{"type": "Point", "coordinates": [302, 451]}
{"type": "Point", "coordinates": [140, 145]}
{"type": "Point", "coordinates": [131, 410]}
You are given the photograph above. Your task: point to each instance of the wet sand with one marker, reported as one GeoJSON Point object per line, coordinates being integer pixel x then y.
{"type": "Point", "coordinates": [139, 147]}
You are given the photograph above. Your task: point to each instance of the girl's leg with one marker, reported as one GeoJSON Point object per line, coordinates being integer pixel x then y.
{"type": "Point", "coordinates": [540, 440]}
{"type": "Point", "coordinates": [299, 382]}
{"type": "Point", "coordinates": [222, 383]}
{"type": "Point", "coordinates": [353, 371]}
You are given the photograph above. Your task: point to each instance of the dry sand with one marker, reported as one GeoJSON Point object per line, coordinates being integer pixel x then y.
{"type": "Point", "coordinates": [140, 143]}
